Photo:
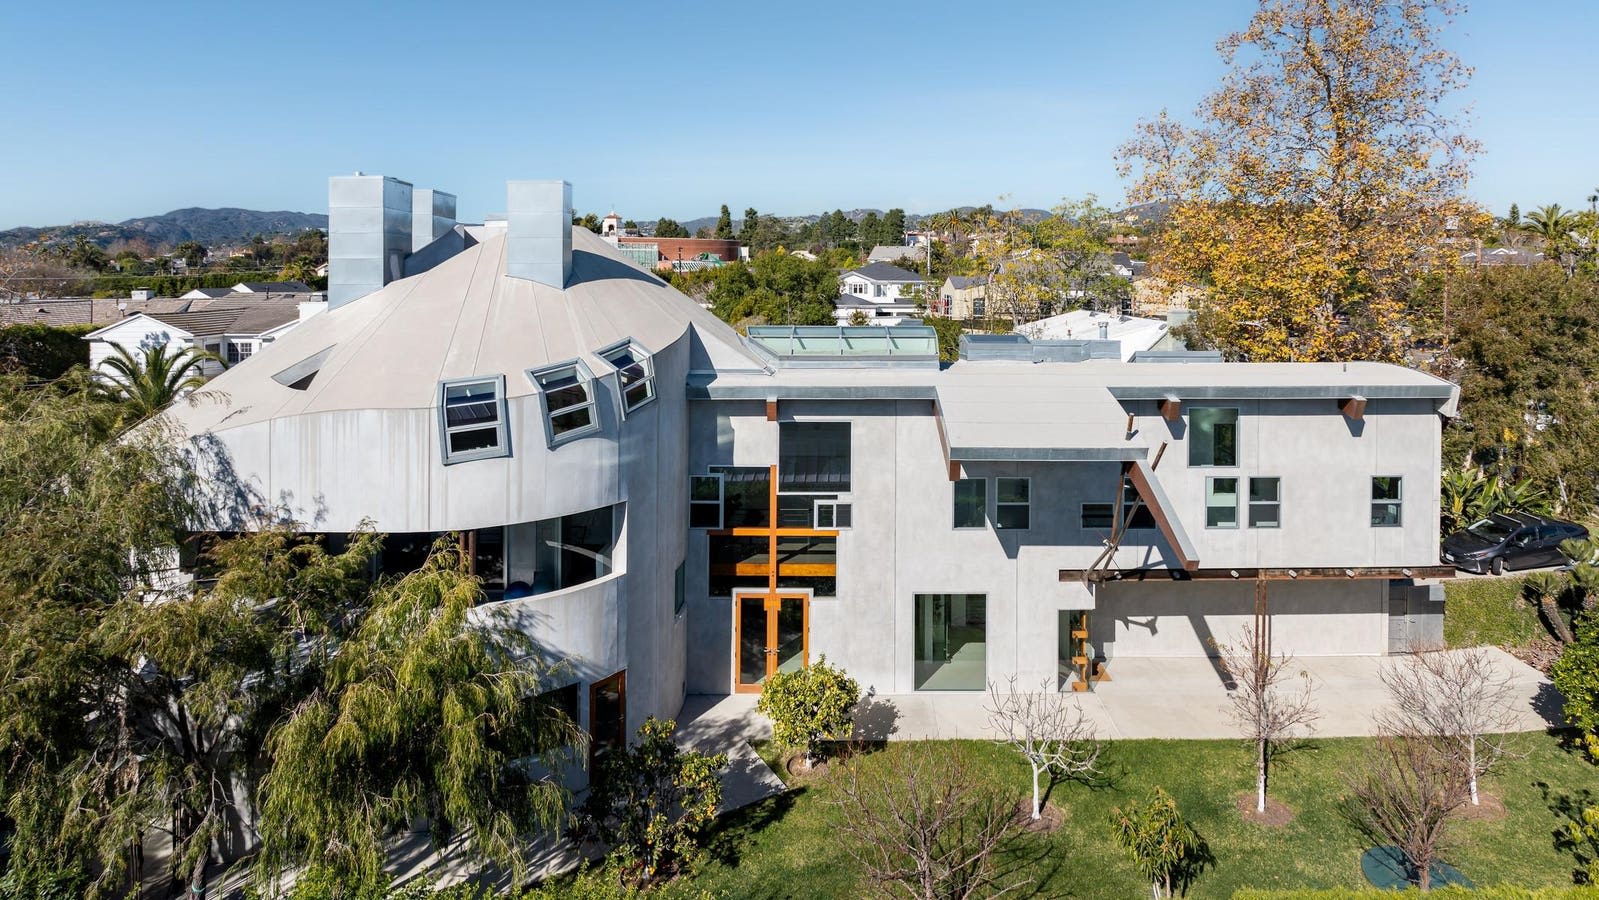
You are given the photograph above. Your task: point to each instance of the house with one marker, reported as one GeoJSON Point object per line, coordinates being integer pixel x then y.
{"type": "Point", "coordinates": [207, 293]}
{"type": "Point", "coordinates": [885, 294]}
{"type": "Point", "coordinates": [272, 287]}
{"type": "Point", "coordinates": [1133, 334]}
{"type": "Point", "coordinates": [893, 253]}
{"type": "Point", "coordinates": [1501, 256]}
{"type": "Point", "coordinates": [672, 507]}
{"type": "Point", "coordinates": [963, 297]}
{"type": "Point", "coordinates": [233, 332]}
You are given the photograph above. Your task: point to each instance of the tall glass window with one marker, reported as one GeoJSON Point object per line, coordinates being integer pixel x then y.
{"type": "Point", "coordinates": [1387, 501]}
{"type": "Point", "coordinates": [971, 503]}
{"type": "Point", "coordinates": [1212, 437]}
{"type": "Point", "coordinates": [951, 642]}
{"type": "Point", "coordinates": [813, 458]}
{"type": "Point", "coordinates": [1013, 503]}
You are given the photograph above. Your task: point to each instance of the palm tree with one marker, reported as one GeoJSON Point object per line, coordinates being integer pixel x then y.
{"type": "Point", "coordinates": [1544, 589]}
{"type": "Point", "coordinates": [1551, 223]}
{"type": "Point", "coordinates": [154, 378]}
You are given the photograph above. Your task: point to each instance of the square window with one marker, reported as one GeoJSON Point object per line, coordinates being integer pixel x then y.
{"type": "Point", "coordinates": [635, 374]}
{"type": "Point", "coordinates": [1012, 503]}
{"type": "Point", "coordinates": [813, 457]}
{"type": "Point", "coordinates": [1221, 503]}
{"type": "Point", "coordinates": [568, 396]}
{"type": "Point", "coordinates": [1265, 503]}
{"type": "Point", "coordinates": [1098, 515]}
{"type": "Point", "coordinates": [971, 503]}
{"type": "Point", "coordinates": [472, 417]}
{"type": "Point", "coordinates": [832, 515]}
{"type": "Point", "coordinates": [1387, 501]}
{"type": "Point", "coordinates": [1213, 437]}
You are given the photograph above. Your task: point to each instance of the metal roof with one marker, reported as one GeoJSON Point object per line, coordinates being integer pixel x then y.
{"type": "Point", "coordinates": [881, 271]}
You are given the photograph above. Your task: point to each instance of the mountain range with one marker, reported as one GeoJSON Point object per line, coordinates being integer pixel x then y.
{"type": "Point", "coordinates": [225, 227]}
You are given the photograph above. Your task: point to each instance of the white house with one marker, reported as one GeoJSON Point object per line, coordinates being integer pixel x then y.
{"type": "Point", "coordinates": [233, 332]}
{"type": "Point", "coordinates": [885, 294]}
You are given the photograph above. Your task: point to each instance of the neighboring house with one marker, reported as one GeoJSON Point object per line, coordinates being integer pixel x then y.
{"type": "Point", "coordinates": [206, 294]}
{"type": "Point", "coordinates": [83, 311]}
{"type": "Point", "coordinates": [272, 287]}
{"type": "Point", "coordinates": [233, 333]}
{"type": "Point", "coordinates": [963, 297]}
{"type": "Point", "coordinates": [885, 294]}
{"type": "Point", "coordinates": [893, 253]}
{"type": "Point", "coordinates": [1501, 256]}
{"type": "Point", "coordinates": [806, 255]}
{"type": "Point", "coordinates": [1135, 335]}
{"type": "Point", "coordinates": [673, 508]}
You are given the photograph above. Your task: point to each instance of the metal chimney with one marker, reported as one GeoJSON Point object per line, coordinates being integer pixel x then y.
{"type": "Point", "coordinates": [1104, 331]}
{"type": "Point", "coordinates": [369, 234]}
{"type": "Point", "coordinates": [432, 216]}
{"type": "Point", "coordinates": [539, 231]}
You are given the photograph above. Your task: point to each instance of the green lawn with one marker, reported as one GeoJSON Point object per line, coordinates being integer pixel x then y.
{"type": "Point", "coordinates": [1492, 611]}
{"type": "Point", "coordinates": [788, 846]}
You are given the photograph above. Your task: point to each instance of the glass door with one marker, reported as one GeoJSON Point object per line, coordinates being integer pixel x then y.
{"type": "Point", "coordinates": [771, 635]}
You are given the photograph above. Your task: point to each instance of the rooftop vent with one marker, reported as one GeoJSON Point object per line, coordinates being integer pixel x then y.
{"type": "Point", "coordinates": [369, 234]}
{"type": "Point", "coordinates": [539, 231]}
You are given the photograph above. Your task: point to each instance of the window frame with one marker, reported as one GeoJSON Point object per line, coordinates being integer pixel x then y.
{"type": "Point", "coordinates": [585, 379]}
{"type": "Point", "coordinates": [1398, 501]}
{"type": "Point", "coordinates": [1210, 492]}
{"type": "Point", "coordinates": [954, 488]}
{"type": "Point", "coordinates": [1250, 502]}
{"type": "Point", "coordinates": [721, 498]}
{"type": "Point", "coordinates": [834, 503]}
{"type": "Point", "coordinates": [502, 445]}
{"type": "Point", "coordinates": [1238, 415]}
{"type": "Point", "coordinates": [642, 358]}
{"type": "Point", "coordinates": [1026, 504]}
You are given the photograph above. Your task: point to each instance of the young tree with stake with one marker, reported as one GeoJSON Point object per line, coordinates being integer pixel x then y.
{"type": "Point", "coordinates": [1048, 729]}
{"type": "Point", "coordinates": [1458, 697]}
{"type": "Point", "coordinates": [1264, 707]}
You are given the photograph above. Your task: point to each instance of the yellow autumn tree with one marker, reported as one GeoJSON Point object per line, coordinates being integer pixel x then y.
{"type": "Point", "coordinates": [1312, 187]}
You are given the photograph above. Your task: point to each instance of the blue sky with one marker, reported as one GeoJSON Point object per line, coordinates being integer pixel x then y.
{"type": "Point", "coordinates": [118, 109]}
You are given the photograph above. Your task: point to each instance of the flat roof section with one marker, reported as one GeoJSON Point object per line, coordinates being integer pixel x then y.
{"type": "Point", "coordinates": [824, 345]}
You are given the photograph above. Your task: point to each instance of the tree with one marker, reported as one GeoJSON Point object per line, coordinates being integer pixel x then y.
{"type": "Point", "coordinates": [25, 274]}
{"type": "Point", "coordinates": [1551, 225]}
{"type": "Point", "coordinates": [923, 824]}
{"type": "Point", "coordinates": [83, 253]}
{"type": "Point", "coordinates": [1037, 269]}
{"type": "Point", "coordinates": [1512, 219]}
{"type": "Point", "coordinates": [1262, 706]}
{"type": "Point", "coordinates": [158, 375]}
{"type": "Point", "coordinates": [1457, 697]}
{"type": "Point", "coordinates": [724, 224]}
{"type": "Point", "coordinates": [652, 802]}
{"type": "Point", "coordinates": [894, 227]}
{"type": "Point", "coordinates": [192, 252]}
{"type": "Point", "coordinates": [424, 712]}
{"type": "Point", "coordinates": [776, 288]}
{"type": "Point", "coordinates": [1468, 495]}
{"type": "Point", "coordinates": [1544, 590]}
{"type": "Point", "coordinates": [749, 226]}
{"type": "Point", "coordinates": [1164, 848]}
{"type": "Point", "coordinates": [1403, 791]}
{"type": "Point", "coordinates": [591, 221]}
{"type": "Point", "coordinates": [1576, 675]}
{"type": "Point", "coordinates": [669, 228]}
{"type": "Point", "coordinates": [1315, 182]}
{"type": "Point", "coordinates": [630, 226]}
{"type": "Point", "coordinates": [871, 229]}
{"type": "Point", "coordinates": [858, 318]}
{"type": "Point", "coordinates": [1048, 729]}
{"type": "Point", "coordinates": [810, 705]}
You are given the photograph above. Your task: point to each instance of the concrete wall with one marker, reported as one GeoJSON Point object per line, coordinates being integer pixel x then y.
{"type": "Point", "coordinates": [1311, 618]}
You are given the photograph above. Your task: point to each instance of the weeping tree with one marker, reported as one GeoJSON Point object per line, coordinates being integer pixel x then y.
{"type": "Point", "coordinates": [427, 711]}
{"type": "Point", "coordinates": [150, 380]}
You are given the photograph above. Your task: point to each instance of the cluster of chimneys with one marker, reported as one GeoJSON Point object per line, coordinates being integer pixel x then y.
{"type": "Point", "coordinates": [376, 224]}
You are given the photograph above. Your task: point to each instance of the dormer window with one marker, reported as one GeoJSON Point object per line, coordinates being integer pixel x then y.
{"type": "Point", "coordinates": [567, 392]}
{"type": "Point", "coordinates": [472, 416]}
{"type": "Point", "coordinates": [635, 372]}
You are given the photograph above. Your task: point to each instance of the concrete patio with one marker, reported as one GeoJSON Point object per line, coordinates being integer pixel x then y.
{"type": "Point", "coordinates": [1145, 698]}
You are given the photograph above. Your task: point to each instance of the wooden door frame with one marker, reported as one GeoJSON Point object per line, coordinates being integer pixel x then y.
{"type": "Point", "coordinates": [772, 603]}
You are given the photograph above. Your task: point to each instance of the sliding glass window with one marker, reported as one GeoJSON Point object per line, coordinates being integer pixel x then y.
{"type": "Point", "coordinates": [951, 642]}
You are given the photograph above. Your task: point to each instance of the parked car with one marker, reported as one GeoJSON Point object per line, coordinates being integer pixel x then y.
{"type": "Point", "coordinates": [1510, 541]}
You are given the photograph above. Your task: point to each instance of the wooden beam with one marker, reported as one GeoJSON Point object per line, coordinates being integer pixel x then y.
{"type": "Point", "coordinates": [1162, 520]}
{"type": "Point", "coordinates": [1306, 574]}
{"type": "Point", "coordinates": [771, 410]}
{"type": "Point", "coordinates": [1171, 408]}
{"type": "Point", "coordinates": [1353, 407]}
{"type": "Point", "coordinates": [943, 441]}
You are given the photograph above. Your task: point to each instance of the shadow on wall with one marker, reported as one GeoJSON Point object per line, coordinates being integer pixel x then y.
{"type": "Point", "coordinates": [588, 266]}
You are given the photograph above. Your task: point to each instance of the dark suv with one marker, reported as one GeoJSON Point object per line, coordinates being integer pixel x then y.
{"type": "Point", "coordinates": [1510, 541]}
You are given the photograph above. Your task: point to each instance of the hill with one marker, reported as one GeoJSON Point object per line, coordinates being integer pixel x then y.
{"type": "Point", "coordinates": [224, 227]}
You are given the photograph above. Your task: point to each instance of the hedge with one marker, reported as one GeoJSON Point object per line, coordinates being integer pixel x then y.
{"type": "Point", "coordinates": [43, 352]}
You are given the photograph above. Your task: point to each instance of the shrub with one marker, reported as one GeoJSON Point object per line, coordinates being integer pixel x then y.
{"type": "Point", "coordinates": [652, 802]}
{"type": "Point", "coordinates": [43, 352]}
{"type": "Point", "coordinates": [809, 705]}
{"type": "Point", "coordinates": [1576, 675]}
{"type": "Point", "coordinates": [1164, 848]}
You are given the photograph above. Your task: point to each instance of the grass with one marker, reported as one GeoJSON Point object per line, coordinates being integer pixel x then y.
{"type": "Point", "coordinates": [788, 846]}
{"type": "Point", "coordinates": [1489, 611]}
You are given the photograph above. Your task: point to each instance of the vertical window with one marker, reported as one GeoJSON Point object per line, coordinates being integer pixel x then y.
{"type": "Point", "coordinates": [1221, 503]}
{"type": "Point", "coordinates": [680, 589]}
{"type": "Point", "coordinates": [1387, 501]}
{"type": "Point", "coordinates": [635, 373]}
{"type": "Point", "coordinates": [971, 502]}
{"type": "Point", "coordinates": [472, 414]}
{"type": "Point", "coordinates": [239, 351]}
{"type": "Point", "coordinates": [568, 396]}
{"type": "Point", "coordinates": [705, 501]}
{"type": "Point", "coordinates": [813, 458]}
{"type": "Point", "coordinates": [1012, 503]}
{"type": "Point", "coordinates": [746, 496]}
{"type": "Point", "coordinates": [979, 307]}
{"type": "Point", "coordinates": [1265, 503]}
{"type": "Point", "coordinates": [1213, 437]}
{"type": "Point", "coordinates": [951, 642]}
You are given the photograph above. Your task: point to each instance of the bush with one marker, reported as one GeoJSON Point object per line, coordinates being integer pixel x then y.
{"type": "Point", "coordinates": [1161, 844]}
{"type": "Point", "coordinates": [809, 705]}
{"type": "Point", "coordinates": [1576, 675]}
{"type": "Point", "coordinates": [15, 885]}
{"type": "Point", "coordinates": [43, 352]}
{"type": "Point", "coordinates": [1497, 892]}
{"type": "Point", "coordinates": [652, 803]}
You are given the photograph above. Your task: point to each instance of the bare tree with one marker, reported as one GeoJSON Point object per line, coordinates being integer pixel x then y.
{"type": "Point", "coordinates": [924, 825]}
{"type": "Point", "coordinates": [1048, 729]}
{"type": "Point", "coordinates": [1459, 697]}
{"type": "Point", "coordinates": [1264, 706]}
{"type": "Point", "coordinates": [1404, 791]}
